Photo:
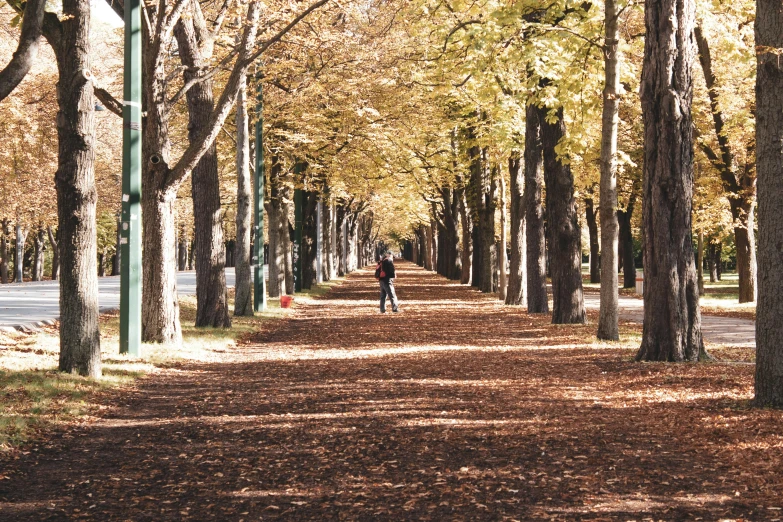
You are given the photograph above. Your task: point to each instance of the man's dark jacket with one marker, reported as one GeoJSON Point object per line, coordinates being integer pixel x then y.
{"type": "Point", "coordinates": [387, 265]}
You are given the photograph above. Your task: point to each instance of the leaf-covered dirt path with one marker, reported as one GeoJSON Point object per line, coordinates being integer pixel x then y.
{"type": "Point", "coordinates": [455, 409]}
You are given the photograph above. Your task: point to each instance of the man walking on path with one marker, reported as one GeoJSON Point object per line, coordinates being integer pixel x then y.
{"type": "Point", "coordinates": [387, 283]}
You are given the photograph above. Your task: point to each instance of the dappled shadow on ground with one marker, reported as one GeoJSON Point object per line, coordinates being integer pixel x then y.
{"type": "Point", "coordinates": [455, 409]}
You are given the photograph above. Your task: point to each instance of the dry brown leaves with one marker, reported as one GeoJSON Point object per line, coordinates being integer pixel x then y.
{"type": "Point", "coordinates": [455, 409]}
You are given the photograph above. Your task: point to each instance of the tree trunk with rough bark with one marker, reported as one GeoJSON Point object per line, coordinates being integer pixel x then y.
{"type": "Point", "coordinates": [592, 226]}
{"type": "Point", "coordinates": [517, 281]}
{"type": "Point", "coordinates": [564, 232]}
{"type": "Point", "coordinates": [309, 240]}
{"type": "Point", "coordinates": [537, 300]}
{"type": "Point", "coordinates": [769, 137]}
{"type": "Point", "coordinates": [39, 240]}
{"type": "Point", "coordinates": [326, 235]}
{"type": "Point", "coordinates": [672, 319]}
{"type": "Point", "coordinates": [608, 313]}
{"type": "Point", "coordinates": [466, 252]}
{"type": "Point", "coordinates": [286, 234]}
{"type": "Point", "coordinates": [117, 257]}
{"type": "Point", "coordinates": [501, 255]}
{"type": "Point", "coordinates": [276, 254]}
{"type": "Point", "coordinates": [80, 343]}
{"type": "Point", "coordinates": [182, 253]}
{"type": "Point", "coordinates": [481, 191]}
{"type": "Point", "coordinates": [243, 302]}
{"type": "Point", "coordinates": [4, 251]}
{"type": "Point", "coordinates": [700, 262]}
{"type": "Point", "coordinates": [21, 239]}
{"type": "Point", "coordinates": [626, 247]}
{"type": "Point", "coordinates": [340, 239]}
{"type": "Point", "coordinates": [210, 249]}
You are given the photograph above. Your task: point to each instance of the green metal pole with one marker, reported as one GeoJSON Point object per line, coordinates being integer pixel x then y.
{"type": "Point", "coordinates": [298, 214]}
{"type": "Point", "coordinates": [130, 233]}
{"type": "Point", "coordinates": [259, 285]}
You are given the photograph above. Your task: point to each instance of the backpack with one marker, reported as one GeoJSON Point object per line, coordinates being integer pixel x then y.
{"type": "Point", "coordinates": [379, 273]}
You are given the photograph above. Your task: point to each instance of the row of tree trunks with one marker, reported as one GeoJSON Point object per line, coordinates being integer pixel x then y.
{"type": "Point", "coordinates": [565, 237]}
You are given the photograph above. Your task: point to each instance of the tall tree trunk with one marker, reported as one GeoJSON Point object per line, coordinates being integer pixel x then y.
{"type": "Point", "coordinates": [502, 279]}
{"type": "Point", "coordinates": [564, 233]}
{"type": "Point", "coordinates": [243, 301]}
{"type": "Point", "coordinates": [352, 220]}
{"type": "Point", "coordinates": [769, 137]}
{"type": "Point", "coordinates": [745, 243]}
{"type": "Point", "coordinates": [117, 257]}
{"type": "Point", "coordinates": [537, 301]}
{"type": "Point", "coordinates": [719, 260]}
{"type": "Point", "coordinates": [672, 319]}
{"type": "Point", "coordinates": [517, 282]}
{"type": "Point", "coordinates": [466, 252]}
{"type": "Point", "coordinates": [481, 198]}
{"type": "Point", "coordinates": [626, 247]}
{"type": "Point", "coordinates": [182, 253]}
{"type": "Point", "coordinates": [160, 303]}
{"type": "Point", "coordinates": [21, 239]}
{"type": "Point", "coordinates": [309, 240]}
{"type": "Point", "coordinates": [608, 314]}
{"type": "Point", "coordinates": [700, 262]}
{"type": "Point", "coordinates": [4, 251]}
{"type": "Point", "coordinates": [326, 235]}
{"type": "Point", "coordinates": [102, 264]}
{"type": "Point", "coordinates": [211, 291]}
{"type": "Point", "coordinates": [80, 343]}
{"type": "Point", "coordinates": [592, 227]}
{"type": "Point", "coordinates": [340, 240]}
{"type": "Point", "coordinates": [428, 253]}
{"type": "Point", "coordinates": [713, 266]}
{"type": "Point", "coordinates": [38, 260]}
{"type": "Point", "coordinates": [276, 254]}
{"type": "Point", "coordinates": [286, 234]}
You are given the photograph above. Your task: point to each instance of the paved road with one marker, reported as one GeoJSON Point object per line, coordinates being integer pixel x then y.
{"type": "Point", "coordinates": [28, 305]}
{"type": "Point", "coordinates": [720, 330]}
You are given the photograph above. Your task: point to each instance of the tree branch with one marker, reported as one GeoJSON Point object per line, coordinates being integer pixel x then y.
{"type": "Point", "coordinates": [26, 51]}
{"type": "Point", "coordinates": [268, 43]}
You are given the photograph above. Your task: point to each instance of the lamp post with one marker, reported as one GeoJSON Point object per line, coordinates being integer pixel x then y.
{"type": "Point", "coordinates": [130, 233]}
{"type": "Point", "coordinates": [259, 285]}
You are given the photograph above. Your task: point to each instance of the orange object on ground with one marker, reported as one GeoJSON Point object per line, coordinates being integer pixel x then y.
{"type": "Point", "coordinates": [285, 301]}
